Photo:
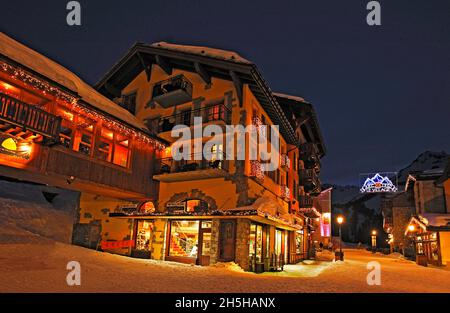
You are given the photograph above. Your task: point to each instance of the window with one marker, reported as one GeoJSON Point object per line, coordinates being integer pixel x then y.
{"type": "Point", "coordinates": [113, 147]}
{"type": "Point", "coordinates": [65, 134]}
{"type": "Point", "coordinates": [129, 102]}
{"type": "Point", "coordinates": [256, 241]}
{"type": "Point", "coordinates": [186, 117]}
{"type": "Point", "coordinates": [143, 235]}
{"type": "Point", "coordinates": [299, 242]}
{"type": "Point", "coordinates": [278, 242]}
{"type": "Point", "coordinates": [184, 237]}
{"type": "Point", "coordinates": [121, 150]}
{"type": "Point", "coordinates": [217, 156]}
{"type": "Point", "coordinates": [76, 131]}
{"type": "Point", "coordinates": [196, 206]}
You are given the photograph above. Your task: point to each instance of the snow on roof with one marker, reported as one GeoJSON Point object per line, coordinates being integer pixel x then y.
{"type": "Point", "coordinates": [434, 219]}
{"type": "Point", "coordinates": [205, 51]}
{"type": "Point", "coordinates": [61, 75]}
{"type": "Point", "coordinates": [295, 98]}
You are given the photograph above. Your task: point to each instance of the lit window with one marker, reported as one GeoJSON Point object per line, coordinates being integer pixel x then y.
{"type": "Point", "coordinates": [113, 148]}
{"type": "Point", "coordinates": [184, 237]}
{"type": "Point", "coordinates": [196, 206]}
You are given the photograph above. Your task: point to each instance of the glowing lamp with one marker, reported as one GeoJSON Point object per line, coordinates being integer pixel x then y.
{"type": "Point", "coordinates": [374, 232]}
{"type": "Point", "coordinates": [9, 144]}
{"type": "Point", "coordinates": [340, 219]}
{"type": "Point", "coordinates": [411, 228]}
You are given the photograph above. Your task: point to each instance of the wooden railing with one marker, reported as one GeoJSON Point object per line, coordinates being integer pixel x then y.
{"type": "Point", "coordinates": [29, 117]}
{"type": "Point", "coordinates": [214, 113]}
{"type": "Point", "coordinates": [169, 165]}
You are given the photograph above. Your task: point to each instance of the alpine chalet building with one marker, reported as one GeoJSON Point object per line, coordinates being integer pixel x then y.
{"type": "Point", "coordinates": [222, 209]}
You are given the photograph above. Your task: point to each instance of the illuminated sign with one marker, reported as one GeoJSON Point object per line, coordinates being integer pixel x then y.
{"type": "Point", "coordinates": [325, 225]}
{"type": "Point", "coordinates": [379, 182]}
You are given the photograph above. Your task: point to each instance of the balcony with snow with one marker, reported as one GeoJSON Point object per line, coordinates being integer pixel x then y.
{"type": "Point", "coordinates": [173, 91]}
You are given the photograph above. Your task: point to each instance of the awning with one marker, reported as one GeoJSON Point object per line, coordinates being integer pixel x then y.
{"type": "Point", "coordinates": [252, 214]}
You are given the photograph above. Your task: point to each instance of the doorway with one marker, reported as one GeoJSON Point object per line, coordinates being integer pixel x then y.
{"type": "Point", "coordinates": [227, 240]}
{"type": "Point", "coordinates": [204, 241]}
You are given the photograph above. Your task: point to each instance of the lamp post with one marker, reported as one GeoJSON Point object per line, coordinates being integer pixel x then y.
{"type": "Point", "coordinates": [339, 256]}
{"type": "Point", "coordinates": [374, 240]}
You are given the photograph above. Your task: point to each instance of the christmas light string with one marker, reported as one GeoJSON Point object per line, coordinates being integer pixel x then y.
{"type": "Point", "coordinates": [45, 88]}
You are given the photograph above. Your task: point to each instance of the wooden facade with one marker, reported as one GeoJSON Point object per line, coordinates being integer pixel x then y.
{"type": "Point", "coordinates": [70, 143]}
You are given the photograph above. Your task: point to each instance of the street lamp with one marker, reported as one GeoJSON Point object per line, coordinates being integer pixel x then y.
{"type": "Point", "coordinates": [340, 255]}
{"type": "Point", "coordinates": [374, 240]}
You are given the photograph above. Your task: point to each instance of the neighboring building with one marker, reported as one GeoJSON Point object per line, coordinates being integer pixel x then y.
{"type": "Point", "coordinates": [57, 131]}
{"type": "Point", "coordinates": [416, 219]}
{"type": "Point", "coordinates": [429, 228]}
{"type": "Point", "coordinates": [322, 224]}
{"type": "Point", "coordinates": [397, 210]}
{"type": "Point", "coordinates": [220, 209]}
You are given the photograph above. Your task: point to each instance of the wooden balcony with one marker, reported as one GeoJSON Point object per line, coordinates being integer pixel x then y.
{"type": "Point", "coordinates": [305, 201]}
{"type": "Point", "coordinates": [309, 179]}
{"type": "Point", "coordinates": [210, 114]}
{"type": "Point", "coordinates": [170, 170]}
{"type": "Point", "coordinates": [309, 155]}
{"type": "Point", "coordinates": [173, 91]}
{"type": "Point", "coordinates": [29, 118]}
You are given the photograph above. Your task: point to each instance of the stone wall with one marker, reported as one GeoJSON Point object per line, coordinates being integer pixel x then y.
{"type": "Point", "coordinates": [158, 239]}
{"type": "Point", "coordinates": [242, 242]}
{"type": "Point", "coordinates": [214, 252]}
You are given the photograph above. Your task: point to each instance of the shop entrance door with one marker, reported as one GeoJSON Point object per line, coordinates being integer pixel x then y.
{"type": "Point", "coordinates": [204, 243]}
{"type": "Point", "coordinates": [227, 240]}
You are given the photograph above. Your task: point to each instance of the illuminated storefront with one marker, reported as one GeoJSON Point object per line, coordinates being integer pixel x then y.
{"type": "Point", "coordinates": [189, 241]}
{"type": "Point", "coordinates": [430, 234]}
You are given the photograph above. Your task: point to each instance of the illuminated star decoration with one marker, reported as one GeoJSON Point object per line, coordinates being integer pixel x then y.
{"type": "Point", "coordinates": [378, 183]}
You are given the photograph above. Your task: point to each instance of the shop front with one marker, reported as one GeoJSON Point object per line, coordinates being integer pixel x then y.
{"type": "Point", "coordinates": [430, 234]}
{"type": "Point", "coordinates": [189, 241]}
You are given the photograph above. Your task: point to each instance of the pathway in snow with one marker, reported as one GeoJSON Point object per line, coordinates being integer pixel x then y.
{"type": "Point", "coordinates": [41, 267]}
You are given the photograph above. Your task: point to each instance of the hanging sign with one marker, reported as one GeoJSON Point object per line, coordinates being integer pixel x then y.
{"type": "Point", "coordinates": [378, 182]}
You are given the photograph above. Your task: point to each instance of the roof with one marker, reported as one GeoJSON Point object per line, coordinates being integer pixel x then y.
{"type": "Point", "coordinates": [445, 175]}
{"type": "Point", "coordinates": [201, 50]}
{"type": "Point", "coordinates": [431, 222]}
{"type": "Point", "coordinates": [298, 106]}
{"type": "Point", "coordinates": [425, 175]}
{"type": "Point", "coordinates": [207, 62]}
{"type": "Point", "coordinates": [61, 76]}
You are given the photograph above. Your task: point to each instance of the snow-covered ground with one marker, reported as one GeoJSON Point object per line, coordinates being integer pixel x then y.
{"type": "Point", "coordinates": [40, 266]}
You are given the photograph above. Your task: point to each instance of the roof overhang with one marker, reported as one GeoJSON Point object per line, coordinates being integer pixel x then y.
{"type": "Point", "coordinates": [305, 112]}
{"type": "Point", "coordinates": [142, 56]}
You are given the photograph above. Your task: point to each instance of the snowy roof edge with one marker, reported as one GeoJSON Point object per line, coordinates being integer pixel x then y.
{"type": "Point", "coordinates": [57, 73]}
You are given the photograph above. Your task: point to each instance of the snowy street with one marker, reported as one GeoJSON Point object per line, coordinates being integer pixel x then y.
{"type": "Point", "coordinates": [41, 267]}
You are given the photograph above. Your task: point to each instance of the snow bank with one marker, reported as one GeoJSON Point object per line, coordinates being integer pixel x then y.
{"type": "Point", "coordinates": [231, 266]}
{"type": "Point", "coordinates": [25, 212]}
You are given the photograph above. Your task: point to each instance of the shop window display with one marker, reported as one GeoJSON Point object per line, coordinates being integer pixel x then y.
{"type": "Point", "coordinates": [184, 237]}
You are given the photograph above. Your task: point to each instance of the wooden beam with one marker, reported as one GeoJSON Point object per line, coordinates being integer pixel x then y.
{"type": "Point", "coordinates": [200, 69]}
{"type": "Point", "coordinates": [147, 67]}
{"type": "Point", "coordinates": [238, 85]}
{"type": "Point", "coordinates": [112, 89]}
{"type": "Point", "coordinates": [164, 64]}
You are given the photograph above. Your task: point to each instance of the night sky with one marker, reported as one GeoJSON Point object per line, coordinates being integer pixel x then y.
{"type": "Point", "coordinates": [382, 93]}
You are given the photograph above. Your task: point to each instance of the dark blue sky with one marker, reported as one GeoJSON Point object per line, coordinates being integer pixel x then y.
{"type": "Point", "coordinates": [382, 93]}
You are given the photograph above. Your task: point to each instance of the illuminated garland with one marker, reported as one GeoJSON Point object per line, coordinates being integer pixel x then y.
{"type": "Point", "coordinates": [257, 169]}
{"type": "Point", "coordinates": [285, 191]}
{"type": "Point", "coordinates": [46, 88]}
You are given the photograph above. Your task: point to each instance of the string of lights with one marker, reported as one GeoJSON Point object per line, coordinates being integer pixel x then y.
{"type": "Point", "coordinates": [73, 103]}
